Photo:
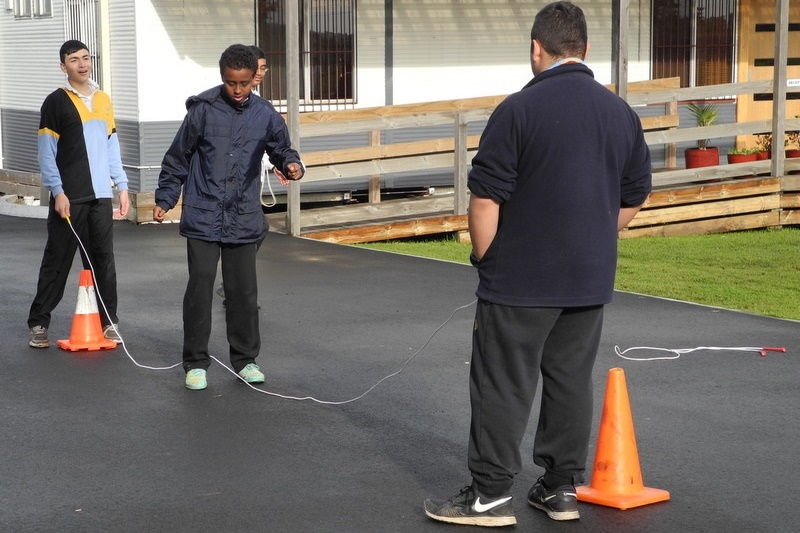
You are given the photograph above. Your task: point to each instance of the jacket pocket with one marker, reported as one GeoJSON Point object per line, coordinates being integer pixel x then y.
{"type": "Point", "coordinates": [199, 218]}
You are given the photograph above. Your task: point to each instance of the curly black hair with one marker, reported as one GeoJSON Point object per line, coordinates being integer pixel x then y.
{"type": "Point", "coordinates": [237, 57]}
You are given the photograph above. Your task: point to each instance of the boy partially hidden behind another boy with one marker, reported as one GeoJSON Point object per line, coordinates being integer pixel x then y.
{"type": "Point", "coordinates": [215, 159]}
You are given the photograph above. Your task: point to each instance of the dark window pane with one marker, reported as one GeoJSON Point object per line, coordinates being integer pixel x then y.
{"type": "Point", "coordinates": [327, 52]}
{"type": "Point", "coordinates": [694, 39]}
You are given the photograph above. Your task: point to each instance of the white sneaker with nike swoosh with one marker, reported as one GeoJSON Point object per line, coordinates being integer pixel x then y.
{"type": "Point", "coordinates": [472, 508]}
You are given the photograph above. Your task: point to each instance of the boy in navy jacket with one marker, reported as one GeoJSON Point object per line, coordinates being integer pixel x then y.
{"type": "Point", "coordinates": [215, 160]}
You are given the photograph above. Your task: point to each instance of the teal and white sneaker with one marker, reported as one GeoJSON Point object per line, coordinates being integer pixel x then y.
{"type": "Point", "coordinates": [251, 373]}
{"type": "Point", "coordinates": [196, 379]}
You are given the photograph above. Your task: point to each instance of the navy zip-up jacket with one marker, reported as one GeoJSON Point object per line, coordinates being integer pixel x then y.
{"type": "Point", "coordinates": [560, 157]}
{"type": "Point", "coordinates": [216, 159]}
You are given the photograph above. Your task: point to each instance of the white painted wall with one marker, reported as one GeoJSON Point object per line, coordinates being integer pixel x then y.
{"type": "Point", "coordinates": [178, 44]}
{"type": "Point", "coordinates": [446, 49]}
{"type": "Point", "coordinates": [370, 59]}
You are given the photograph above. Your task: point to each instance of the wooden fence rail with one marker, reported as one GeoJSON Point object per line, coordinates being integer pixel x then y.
{"type": "Point", "coordinates": [717, 198]}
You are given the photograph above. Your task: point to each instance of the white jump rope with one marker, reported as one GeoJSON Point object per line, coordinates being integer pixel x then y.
{"type": "Point", "coordinates": [676, 352]}
{"type": "Point", "coordinates": [262, 391]}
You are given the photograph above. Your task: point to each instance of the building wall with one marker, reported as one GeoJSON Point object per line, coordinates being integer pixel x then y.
{"type": "Point", "coordinates": [447, 49]}
{"type": "Point", "coordinates": [162, 51]}
{"type": "Point", "coordinates": [370, 53]}
{"type": "Point", "coordinates": [23, 44]}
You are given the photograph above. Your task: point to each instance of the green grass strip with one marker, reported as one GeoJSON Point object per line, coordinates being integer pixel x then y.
{"type": "Point", "coordinates": [752, 271]}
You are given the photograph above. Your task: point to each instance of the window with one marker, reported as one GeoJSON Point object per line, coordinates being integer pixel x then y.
{"type": "Point", "coordinates": [694, 39]}
{"type": "Point", "coordinates": [80, 22]}
{"type": "Point", "coordinates": [33, 8]}
{"type": "Point", "coordinates": [327, 53]}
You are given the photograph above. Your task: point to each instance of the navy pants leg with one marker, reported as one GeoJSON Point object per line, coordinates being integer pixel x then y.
{"type": "Point", "coordinates": [241, 295]}
{"type": "Point", "coordinates": [511, 346]}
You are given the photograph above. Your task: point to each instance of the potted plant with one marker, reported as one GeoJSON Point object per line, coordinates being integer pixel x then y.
{"type": "Point", "coordinates": [703, 155]}
{"type": "Point", "coordinates": [793, 142]}
{"type": "Point", "coordinates": [763, 146]}
{"type": "Point", "coordinates": [742, 155]}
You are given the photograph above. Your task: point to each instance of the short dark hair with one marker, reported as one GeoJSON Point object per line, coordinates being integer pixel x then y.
{"type": "Point", "coordinates": [237, 57]}
{"type": "Point", "coordinates": [70, 47]}
{"type": "Point", "coordinates": [259, 53]}
{"type": "Point", "coordinates": [560, 28]}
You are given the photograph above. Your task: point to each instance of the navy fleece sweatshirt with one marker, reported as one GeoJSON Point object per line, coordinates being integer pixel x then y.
{"type": "Point", "coordinates": [561, 157]}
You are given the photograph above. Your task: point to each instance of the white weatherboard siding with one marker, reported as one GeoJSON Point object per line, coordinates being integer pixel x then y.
{"type": "Point", "coordinates": [29, 63]}
{"type": "Point", "coordinates": [122, 42]}
{"type": "Point", "coordinates": [370, 53]}
{"type": "Point", "coordinates": [446, 49]}
{"type": "Point", "coordinates": [178, 47]}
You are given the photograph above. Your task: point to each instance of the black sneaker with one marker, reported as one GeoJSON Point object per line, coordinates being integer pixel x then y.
{"type": "Point", "coordinates": [471, 508]}
{"type": "Point", "coordinates": [559, 504]}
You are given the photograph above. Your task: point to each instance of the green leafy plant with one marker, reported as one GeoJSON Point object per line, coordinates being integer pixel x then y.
{"type": "Point", "coordinates": [704, 115]}
{"type": "Point", "coordinates": [743, 151]}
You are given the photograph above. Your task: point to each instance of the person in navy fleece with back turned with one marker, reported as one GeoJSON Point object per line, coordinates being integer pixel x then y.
{"type": "Point", "coordinates": [562, 166]}
{"type": "Point", "coordinates": [215, 159]}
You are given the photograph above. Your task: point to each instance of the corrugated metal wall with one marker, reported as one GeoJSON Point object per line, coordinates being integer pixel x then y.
{"type": "Point", "coordinates": [20, 139]}
{"type": "Point", "coordinates": [24, 87]}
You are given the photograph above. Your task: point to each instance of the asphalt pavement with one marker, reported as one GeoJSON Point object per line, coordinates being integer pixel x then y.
{"type": "Point", "coordinates": [93, 442]}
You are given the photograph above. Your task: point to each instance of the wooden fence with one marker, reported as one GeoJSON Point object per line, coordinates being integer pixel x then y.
{"type": "Point", "coordinates": [711, 199]}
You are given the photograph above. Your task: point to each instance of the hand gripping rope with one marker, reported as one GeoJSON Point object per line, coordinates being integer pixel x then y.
{"type": "Point", "coordinates": [262, 391]}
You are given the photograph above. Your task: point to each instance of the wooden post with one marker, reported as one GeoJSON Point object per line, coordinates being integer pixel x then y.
{"type": "Point", "coordinates": [671, 149]}
{"type": "Point", "coordinates": [375, 179]}
{"type": "Point", "coordinates": [779, 86]}
{"type": "Point", "coordinates": [460, 165]}
{"type": "Point", "coordinates": [291, 15]}
{"type": "Point", "coordinates": [620, 13]}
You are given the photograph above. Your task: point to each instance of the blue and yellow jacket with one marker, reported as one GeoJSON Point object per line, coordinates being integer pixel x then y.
{"type": "Point", "coordinates": [79, 152]}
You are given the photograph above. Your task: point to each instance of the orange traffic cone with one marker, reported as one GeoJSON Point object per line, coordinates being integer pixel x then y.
{"type": "Point", "coordinates": [87, 331]}
{"type": "Point", "coordinates": [617, 477]}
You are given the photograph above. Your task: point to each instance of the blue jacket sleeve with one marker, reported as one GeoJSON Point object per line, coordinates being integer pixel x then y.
{"type": "Point", "coordinates": [279, 145]}
{"type": "Point", "coordinates": [175, 165]}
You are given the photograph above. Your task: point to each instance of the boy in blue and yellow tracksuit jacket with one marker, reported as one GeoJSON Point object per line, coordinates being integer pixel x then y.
{"type": "Point", "coordinates": [79, 157]}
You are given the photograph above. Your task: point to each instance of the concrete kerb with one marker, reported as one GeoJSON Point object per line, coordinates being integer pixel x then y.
{"type": "Point", "coordinates": [12, 205]}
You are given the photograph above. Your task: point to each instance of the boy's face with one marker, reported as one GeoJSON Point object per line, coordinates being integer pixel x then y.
{"type": "Point", "coordinates": [262, 70]}
{"type": "Point", "coordinates": [78, 67]}
{"type": "Point", "coordinates": [237, 83]}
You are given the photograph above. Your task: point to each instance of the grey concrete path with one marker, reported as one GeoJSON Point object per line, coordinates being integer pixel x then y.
{"type": "Point", "coordinates": [93, 443]}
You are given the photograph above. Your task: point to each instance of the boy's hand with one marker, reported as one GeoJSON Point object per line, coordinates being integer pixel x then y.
{"type": "Point", "coordinates": [62, 205]}
{"type": "Point", "coordinates": [124, 203]}
{"type": "Point", "coordinates": [294, 171]}
{"type": "Point", "coordinates": [159, 214]}
{"type": "Point", "coordinates": [281, 178]}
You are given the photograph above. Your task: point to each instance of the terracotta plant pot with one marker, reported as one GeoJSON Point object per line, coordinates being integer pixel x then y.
{"type": "Point", "coordinates": [792, 153]}
{"type": "Point", "coordinates": [761, 156]}
{"type": "Point", "coordinates": [742, 158]}
{"type": "Point", "coordinates": [696, 158]}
